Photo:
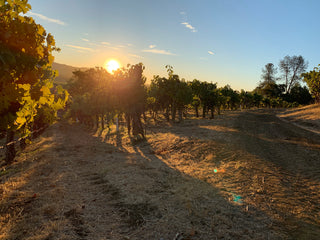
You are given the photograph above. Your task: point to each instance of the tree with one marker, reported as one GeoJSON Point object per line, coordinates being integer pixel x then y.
{"type": "Point", "coordinates": [93, 96]}
{"type": "Point", "coordinates": [257, 99]}
{"type": "Point", "coordinates": [292, 68]}
{"type": "Point", "coordinates": [246, 99]}
{"type": "Point", "coordinates": [312, 78]}
{"type": "Point", "coordinates": [298, 95]}
{"type": "Point", "coordinates": [195, 86]}
{"type": "Point", "coordinates": [269, 89]}
{"type": "Point", "coordinates": [183, 97]}
{"type": "Point", "coordinates": [25, 71]}
{"type": "Point", "coordinates": [196, 104]}
{"type": "Point", "coordinates": [206, 96]}
{"type": "Point", "coordinates": [132, 97]}
{"type": "Point", "coordinates": [171, 94]}
{"type": "Point", "coordinates": [268, 73]}
{"type": "Point", "coordinates": [158, 90]}
{"type": "Point", "coordinates": [232, 99]}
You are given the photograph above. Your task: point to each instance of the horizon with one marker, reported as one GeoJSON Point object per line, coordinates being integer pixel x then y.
{"type": "Point", "coordinates": [224, 42]}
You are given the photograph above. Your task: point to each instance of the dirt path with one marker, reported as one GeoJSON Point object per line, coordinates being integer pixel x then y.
{"type": "Point", "coordinates": [244, 175]}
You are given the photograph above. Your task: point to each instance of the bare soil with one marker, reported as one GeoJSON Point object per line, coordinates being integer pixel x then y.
{"type": "Point", "coordinates": [243, 175]}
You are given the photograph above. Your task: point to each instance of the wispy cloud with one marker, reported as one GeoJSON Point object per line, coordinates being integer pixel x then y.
{"type": "Point", "coordinates": [135, 56]}
{"type": "Point", "coordinates": [105, 43]}
{"type": "Point", "coordinates": [130, 44]}
{"type": "Point", "coordinates": [79, 47]}
{"type": "Point", "coordinates": [188, 25]}
{"type": "Point", "coordinates": [211, 53]}
{"type": "Point", "coordinates": [84, 39]}
{"type": "Point", "coordinates": [152, 46]}
{"type": "Point", "coordinates": [158, 51]}
{"type": "Point", "coordinates": [46, 18]}
{"type": "Point", "coordinates": [94, 44]}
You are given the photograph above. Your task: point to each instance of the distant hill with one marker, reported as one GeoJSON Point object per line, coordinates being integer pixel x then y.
{"type": "Point", "coordinates": [65, 72]}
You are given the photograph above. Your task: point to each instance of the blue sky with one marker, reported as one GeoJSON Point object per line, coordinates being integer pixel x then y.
{"type": "Point", "coordinates": [227, 42]}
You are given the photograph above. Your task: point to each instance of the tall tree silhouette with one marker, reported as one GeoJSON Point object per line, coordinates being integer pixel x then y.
{"type": "Point", "coordinates": [291, 69]}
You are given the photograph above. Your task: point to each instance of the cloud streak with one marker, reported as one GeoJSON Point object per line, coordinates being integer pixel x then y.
{"type": "Point", "coordinates": [79, 48]}
{"type": "Point", "coordinates": [94, 44]}
{"type": "Point", "coordinates": [52, 20]}
{"type": "Point", "coordinates": [135, 56]}
{"type": "Point", "coordinates": [211, 53]}
{"type": "Point", "coordinates": [188, 25]}
{"type": "Point", "coordinates": [84, 39]}
{"type": "Point", "coordinates": [158, 51]}
{"type": "Point", "coordinates": [152, 46]}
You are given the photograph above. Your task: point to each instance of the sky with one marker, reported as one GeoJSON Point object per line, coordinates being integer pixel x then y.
{"type": "Point", "coordinates": [223, 41]}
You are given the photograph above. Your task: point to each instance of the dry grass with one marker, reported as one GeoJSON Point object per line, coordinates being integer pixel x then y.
{"type": "Point", "coordinates": [310, 112]}
{"type": "Point", "coordinates": [198, 179]}
{"type": "Point", "coordinates": [307, 116]}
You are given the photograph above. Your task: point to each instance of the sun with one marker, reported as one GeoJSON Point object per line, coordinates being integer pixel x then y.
{"type": "Point", "coordinates": [112, 66]}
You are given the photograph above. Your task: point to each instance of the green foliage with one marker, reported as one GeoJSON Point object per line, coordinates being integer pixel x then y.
{"type": "Point", "coordinates": [246, 99]}
{"type": "Point", "coordinates": [98, 96]}
{"type": "Point", "coordinates": [196, 102]}
{"type": "Point", "coordinates": [257, 99]}
{"type": "Point", "coordinates": [25, 70]}
{"type": "Point", "coordinates": [312, 79]}
{"type": "Point", "coordinates": [25, 67]}
{"type": "Point", "coordinates": [291, 92]}
{"type": "Point", "coordinates": [231, 98]}
{"type": "Point", "coordinates": [268, 73]}
{"type": "Point", "coordinates": [170, 93]}
{"type": "Point", "coordinates": [298, 95]}
{"type": "Point", "coordinates": [92, 94]}
{"type": "Point", "coordinates": [131, 92]}
{"type": "Point", "coordinates": [269, 89]}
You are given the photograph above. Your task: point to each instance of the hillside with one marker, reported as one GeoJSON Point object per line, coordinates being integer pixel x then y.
{"type": "Point", "coordinates": [65, 72]}
{"type": "Point", "coordinates": [307, 117]}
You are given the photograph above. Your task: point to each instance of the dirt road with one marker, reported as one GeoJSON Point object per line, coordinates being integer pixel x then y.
{"type": "Point", "coordinates": [244, 175]}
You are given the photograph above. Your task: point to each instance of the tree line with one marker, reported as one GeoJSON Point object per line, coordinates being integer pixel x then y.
{"type": "Point", "coordinates": [289, 89]}
{"type": "Point", "coordinates": [99, 97]}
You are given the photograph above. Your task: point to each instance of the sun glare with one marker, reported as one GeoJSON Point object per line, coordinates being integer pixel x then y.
{"type": "Point", "coordinates": [112, 66]}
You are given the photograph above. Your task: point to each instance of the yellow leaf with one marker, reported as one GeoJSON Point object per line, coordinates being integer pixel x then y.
{"type": "Point", "coordinates": [45, 90]}
{"type": "Point", "coordinates": [20, 120]}
{"type": "Point", "coordinates": [24, 86]}
{"type": "Point", "coordinates": [42, 100]}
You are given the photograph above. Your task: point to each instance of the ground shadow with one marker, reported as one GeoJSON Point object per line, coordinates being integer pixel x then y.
{"type": "Point", "coordinates": [177, 202]}
{"type": "Point", "coordinates": [291, 156]}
